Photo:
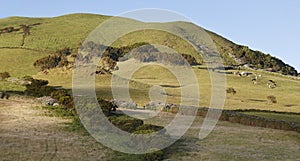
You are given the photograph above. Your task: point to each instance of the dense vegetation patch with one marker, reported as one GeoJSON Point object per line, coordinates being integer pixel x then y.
{"type": "Point", "coordinates": [255, 59]}
{"type": "Point", "coordinates": [58, 59]}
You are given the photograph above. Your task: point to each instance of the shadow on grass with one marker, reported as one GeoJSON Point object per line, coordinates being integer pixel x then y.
{"type": "Point", "coordinates": [256, 100]}
{"type": "Point", "coordinates": [291, 105]}
{"type": "Point", "coordinates": [170, 86]}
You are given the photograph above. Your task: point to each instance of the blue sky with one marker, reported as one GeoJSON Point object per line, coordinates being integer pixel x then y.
{"type": "Point", "coordinates": [271, 26]}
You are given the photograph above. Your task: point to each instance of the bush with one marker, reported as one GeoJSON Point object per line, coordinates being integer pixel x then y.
{"type": "Point", "coordinates": [272, 99]}
{"type": "Point", "coordinates": [63, 98]}
{"type": "Point", "coordinates": [66, 101]}
{"type": "Point", "coordinates": [149, 127]}
{"type": "Point", "coordinates": [157, 155]}
{"type": "Point", "coordinates": [58, 59]}
{"type": "Point", "coordinates": [58, 94]}
{"type": "Point", "coordinates": [231, 91]}
{"type": "Point", "coordinates": [190, 59]}
{"type": "Point", "coordinates": [4, 75]}
{"type": "Point", "coordinates": [107, 107]}
{"type": "Point", "coordinates": [126, 123]}
{"type": "Point", "coordinates": [38, 88]}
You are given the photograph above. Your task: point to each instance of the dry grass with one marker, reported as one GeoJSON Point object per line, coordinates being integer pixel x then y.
{"type": "Point", "coordinates": [233, 142]}
{"type": "Point", "coordinates": [248, 96]}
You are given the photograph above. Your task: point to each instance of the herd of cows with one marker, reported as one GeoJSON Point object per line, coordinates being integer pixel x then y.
{"type": "Point", "coordinates": [271, 83]}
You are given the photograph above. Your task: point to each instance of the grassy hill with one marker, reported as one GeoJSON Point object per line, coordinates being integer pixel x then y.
{"type": "Point", "coordinates": [52, 33]}
{"type": "Point", "coordinates": [70, 31]}
{"type": "Point", "coordinates": [228, 141]}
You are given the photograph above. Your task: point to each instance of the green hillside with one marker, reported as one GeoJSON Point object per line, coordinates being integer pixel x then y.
{"type": "Point", "coordinates": [69, 31]}
{"type": "Point", "coordinates": [51, 34]}
{"type": "Point", "coordinates": [18, 62]}
{"type": "Point", "coordinates": [37, 59]}
{"type": "Point", "coordinates": [251, 58]}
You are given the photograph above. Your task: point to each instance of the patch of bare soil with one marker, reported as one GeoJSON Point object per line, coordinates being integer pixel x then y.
{"type": "Point", "coordinates": [27, 134]}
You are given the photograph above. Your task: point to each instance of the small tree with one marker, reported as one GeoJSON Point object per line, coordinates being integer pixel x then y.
{"type": "Point", "coordinates": [272, 99]}
{"type": "Point", "coordinates": [4, 75]}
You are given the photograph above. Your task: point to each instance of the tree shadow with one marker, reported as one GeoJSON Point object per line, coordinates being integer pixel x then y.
{"type": "Point", "coordinates": [290, 105]}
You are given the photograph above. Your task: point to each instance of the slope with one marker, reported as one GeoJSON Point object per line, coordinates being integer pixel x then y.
{"type": "Point", "coordinates": [50, 34]}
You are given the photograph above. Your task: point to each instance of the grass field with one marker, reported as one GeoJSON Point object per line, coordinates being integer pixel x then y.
{"type": "Point", "coordinates": [248, 96]}
{"type": "Point", "coordinates": [53, 33]}
{"type": "Point", "coordinates": [19, 62]}
{"type": "Point", "coordinates": [71, 30]}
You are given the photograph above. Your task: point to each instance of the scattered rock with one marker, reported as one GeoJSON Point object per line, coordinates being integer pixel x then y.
{"type": "Point", "coordinates": [47, 101]}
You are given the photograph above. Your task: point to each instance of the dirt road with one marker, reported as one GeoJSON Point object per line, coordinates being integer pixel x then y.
{"type": "Point", "coordinates": [28, 134]}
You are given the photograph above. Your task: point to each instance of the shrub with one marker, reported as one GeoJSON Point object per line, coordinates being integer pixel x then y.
{"type": "Point", "coordinates": [149, 127]}
{"type": "Point", "coordinates": [231, 91]}
{"type": "Point", "coordinates": [107, 106]}
{"type": "Point", "coordinates": [190, 59]}
{"type": "Point", "coordinates": [38, 88]}
{"type": "Point", "coordinates": [126, 123]}
{"type": "Point", "coordinates": [58, 59]}
{"type": "Point", "coordinates": [4, 75]}
{"type": "Point", "coordinates": [66, 101]}
{"type": "Point", "coordinates": [272, 99]}
{"type": "Point", "coordinates": [57, 94]}
{"type": "Point", "coordinates": [157, 155]}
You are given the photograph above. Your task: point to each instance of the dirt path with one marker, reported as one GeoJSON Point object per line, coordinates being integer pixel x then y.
{"type": "Point", "coordinates": [27, 134]}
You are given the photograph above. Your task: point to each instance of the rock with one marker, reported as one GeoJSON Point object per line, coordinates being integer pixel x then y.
{"type": "Point", "coordinates": [55, 104]}
{"type": "Point", "coordinates": [47, 101]}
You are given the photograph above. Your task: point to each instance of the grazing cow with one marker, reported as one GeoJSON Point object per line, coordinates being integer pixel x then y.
{"type": "Point", "coordinates": [236, 73]}
{"type": "Point", "coordinates": [168, 106]}
{"type": "Point", "coordinates": [271, 84]}
{"type": "Point", "coordinates": [254, 81]}
{"type": "Point", "coordinates": [271, 81]}
{"type": "Point", "coordinates": [259, 76]}
{"type": "Point", "coordinates": [245, 74]}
